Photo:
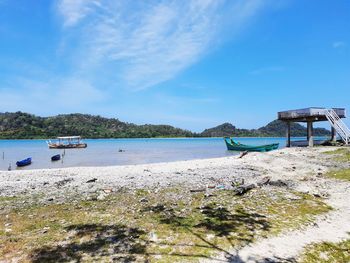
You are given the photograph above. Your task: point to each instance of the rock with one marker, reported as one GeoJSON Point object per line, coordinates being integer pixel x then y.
{"type": "Point", "coordinates": [45, 229]}
{"type": "Point", "coordinates": [101, 197]}
{"type": "Point", "coordinates": [278, 183]}
{"type": "Point", "coordinates": [207, 195]}
{"type": "Point", "coordinates": [91, 180]}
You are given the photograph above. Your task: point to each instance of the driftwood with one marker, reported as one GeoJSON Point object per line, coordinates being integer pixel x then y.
{"type": "Point", "coordinates": [197, 190]}
{"type": "Point", "coordinates": [243, 154]}
{"type": "Point", "coordinates": [92, 180]}
{"type": "Point", "coordinates": [241, 190]}
{"type": "Point", "coordinates": [264, 181]}
{"type": "Point", "coordinates": [279, 183]}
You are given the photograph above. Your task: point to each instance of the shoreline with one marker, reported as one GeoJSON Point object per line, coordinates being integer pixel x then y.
{"type": "Point", "coordinates": [297, 170]}
{"type": "Point", "coordinates": [116, 173]}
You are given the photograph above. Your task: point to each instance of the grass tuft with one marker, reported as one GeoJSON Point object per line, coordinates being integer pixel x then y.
{"type": "Point", "coordinates": [327, 252]}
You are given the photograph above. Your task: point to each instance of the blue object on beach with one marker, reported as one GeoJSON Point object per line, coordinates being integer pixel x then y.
{"type": "Point", "coordinates": [56, 157]}
{"type": "Point", "coordinates": [24, 162]}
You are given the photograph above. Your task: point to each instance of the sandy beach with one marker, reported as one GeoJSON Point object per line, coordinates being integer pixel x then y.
{"type": "Point", "coordinates": [300, 170]}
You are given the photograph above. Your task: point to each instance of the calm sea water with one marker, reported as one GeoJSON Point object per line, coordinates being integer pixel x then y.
{"type": "Point", "coordinates": [103, 152]}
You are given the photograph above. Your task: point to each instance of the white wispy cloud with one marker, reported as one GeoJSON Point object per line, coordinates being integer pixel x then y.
{"type": "Point", "coordinates": [338, 44]}
{"type": "Point", "coordinates": [52, 94]}
{"type": "Point", "coordinates": [140, 44]}
{"type": "Point", "coordinates": [75, 10]}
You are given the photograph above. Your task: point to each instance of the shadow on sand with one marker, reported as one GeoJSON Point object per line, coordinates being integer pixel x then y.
{"type": "Point", "coordinates": [120, 243]}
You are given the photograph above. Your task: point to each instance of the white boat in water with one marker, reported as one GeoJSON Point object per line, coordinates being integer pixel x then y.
{"type": "Point", "coordinates": [67, 142]}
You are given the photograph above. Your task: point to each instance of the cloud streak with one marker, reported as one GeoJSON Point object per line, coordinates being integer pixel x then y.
{"type": "Point", "coordinates": [140, 44]}
{"type": "Point", "coordinates": [338, 44]}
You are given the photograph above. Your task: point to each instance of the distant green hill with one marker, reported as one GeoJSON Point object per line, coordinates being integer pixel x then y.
{"type": "Point", "coordinates": [275, 128]}
{"type": "Point", "coordinates": [21, 125]}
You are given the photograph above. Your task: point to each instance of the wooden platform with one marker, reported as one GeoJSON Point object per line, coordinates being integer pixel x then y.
{"type": "Point", "coordinates": [308, 114]}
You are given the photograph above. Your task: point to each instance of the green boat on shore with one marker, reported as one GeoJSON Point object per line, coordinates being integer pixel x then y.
{"type": "Point", "coordinates": [236, 146]}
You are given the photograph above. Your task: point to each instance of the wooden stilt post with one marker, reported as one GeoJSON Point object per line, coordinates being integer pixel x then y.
{"type": "Point", "coordinates": [310, 131]}
{"type": "Point", "coordinates": [334, 134]}
{"type": "Point", "coordinates": [288, 134]}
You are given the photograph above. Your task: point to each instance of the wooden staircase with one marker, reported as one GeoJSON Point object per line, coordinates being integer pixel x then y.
{"type": "Point", "coordinates": [338, 125]}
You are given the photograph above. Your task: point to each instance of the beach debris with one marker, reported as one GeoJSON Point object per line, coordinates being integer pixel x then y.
{"type": "Point", "coordinates": [91, 180]}
{"type": "Point", "coordinates": [241, 190]}
{"type": "Point", "coordinates": [237, 182]}
{"type": "Point", "coordinates": [50, 199]}
{"type": "Point", "coordinates": [143, 200]}
{"type": "Point", "coordinates": [102, 196]}
{"type": "Point", "coordinates": [108, 190]}
{"type": "Point", "coordinates": [278, 183]}
{"type": "Point", "coordinates": [211, 186]}
{"type": "Point", "coordinates": [243, 154]}
{"type": "Point", "coordinates": [206, 195]}
{"type": "Point", "coordinates": [220, 187]}
{"type": "Point", "coordinates": [197, 190]}
{"type": "Point", "coordinates": [63, 182]}
{"type": "Point", "coordinates": [264, 181]}
{"type": "Point", "coordinates": [45, 229]}
{"type": "Point", "coordinates": [153, 237]}
{"type": "Point", "coordinates": [321, 195]}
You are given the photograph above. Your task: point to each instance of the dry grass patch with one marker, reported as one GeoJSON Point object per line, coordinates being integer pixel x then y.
{"type": "Point", "coordinates": [170, 225]}
{"type": "Point", "coordinates": [327, 252]}
{"type": "Point", "coordinates": [341, 154]}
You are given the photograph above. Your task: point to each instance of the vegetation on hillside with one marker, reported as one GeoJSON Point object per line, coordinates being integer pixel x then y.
{"type": "Point", "coordinates": [21, 125]}
{"type": "Point", "coordinates": [275, 128]}
{"type": "Point", "coordinates": [26, 126]}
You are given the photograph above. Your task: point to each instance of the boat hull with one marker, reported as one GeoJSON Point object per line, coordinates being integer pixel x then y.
{"type": "Point", "coordinates": [56, 157]}
{"type": "Point", "coordinates": [24, 162]}
{"type": "Point", "coordinates": [233, 146]}
{"type": "Point", "coordinates": [67, 146]}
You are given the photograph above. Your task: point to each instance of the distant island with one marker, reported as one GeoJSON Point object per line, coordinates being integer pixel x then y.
{"type": "Point", "coordinates": [19, 125]}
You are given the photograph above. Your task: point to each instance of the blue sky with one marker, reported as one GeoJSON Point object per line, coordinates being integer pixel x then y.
{"type": "Point", "coordinates": [193, 64]}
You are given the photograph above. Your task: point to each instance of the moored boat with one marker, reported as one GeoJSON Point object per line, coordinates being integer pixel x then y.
{"type": "Point", "coordinates": [56, 157]}
{"type": "Point", "coordinates": [236, 146]}
{"type": "Point", "coordinates": [67, 142]}
{"type": "Point", "coordinates": [24, 162]}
